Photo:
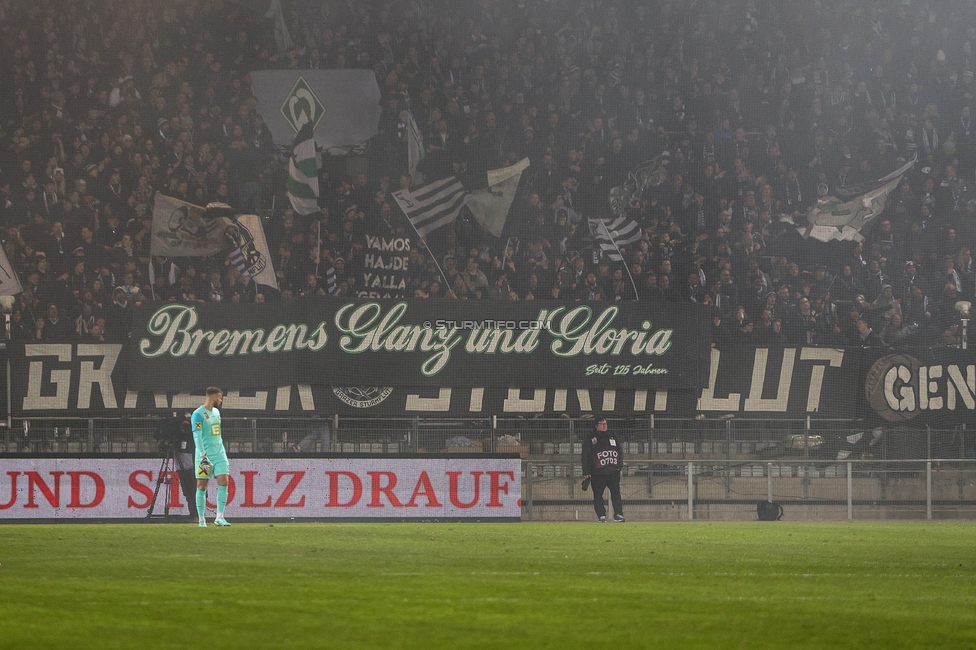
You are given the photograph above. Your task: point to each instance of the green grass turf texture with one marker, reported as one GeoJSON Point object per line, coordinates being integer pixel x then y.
{"type": "Point", "coordinates": [482, 585]}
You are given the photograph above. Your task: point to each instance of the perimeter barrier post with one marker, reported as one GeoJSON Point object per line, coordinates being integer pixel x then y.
{"type": "Point", "coordinates": [728, 459]}
{"type": "Point", "coordinates": [928, 489]}
{"type": "Point", "coordinates": [806, 459]}
{"type": "Point", "coordinates": [650, 459]}
{"type": "Point", "coordinates": [850, 492]}
{"type": "Point", "coordinates": [571, 476]}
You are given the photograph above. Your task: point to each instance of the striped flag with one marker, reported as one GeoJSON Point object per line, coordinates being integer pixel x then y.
{"type": "Point", "coordinates": [433, 205]}
{"type": "Point", "coordinates": [613, 234]}
{"type": "Point", "coordinates": [303, 174]}
{"type": "Point", "coordinates": [331, 282]}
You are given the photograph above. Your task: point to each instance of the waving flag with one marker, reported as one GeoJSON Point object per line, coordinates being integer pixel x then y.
{"type": "Point", "coordinates": [181, 229]}
{"type": "Point", "coordinates": [249, 249]}
{"type": "Point", "coordinates": [9, 282]}
{"type": "Point", "coordinates": [303, 174]}
{"type": "Point", "coordinates": [437, 204]}
{"type": "Point", "coordinates": [843, 216]}
{"type": "Point", "coordinates": [432, 206]}
{"type": "Point", "coordinates": [611, 235]}
{"type": "Point", "coordinates": [490, 205]}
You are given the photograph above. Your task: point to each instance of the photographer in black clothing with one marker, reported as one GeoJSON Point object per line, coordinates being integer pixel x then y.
{"type": "Point", "coordinates": [601, 466]}
{"type": "Point", "coordinates": [176, 441]}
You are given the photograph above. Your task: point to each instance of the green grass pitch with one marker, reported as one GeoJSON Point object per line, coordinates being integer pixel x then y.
{"type": "Point", "coordinates": [528, 585]}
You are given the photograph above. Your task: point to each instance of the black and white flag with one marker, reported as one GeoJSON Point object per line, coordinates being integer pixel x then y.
{"type": "Point", "coordinates": [331, 282]}
{"type": "Point", "coordinates": [433, 205]}
{"type": "Point", "coordinates": [249, 249]}
{"type": "Point", "coordinates": [613, 234]}
{"type": "Point", "coordinates": [438, 203]}
{"type": "Point", "coordinates": [850, 212]}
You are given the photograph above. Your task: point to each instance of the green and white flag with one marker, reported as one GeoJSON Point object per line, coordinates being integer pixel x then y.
{"type": "Point", "coordinates": [303, 174]}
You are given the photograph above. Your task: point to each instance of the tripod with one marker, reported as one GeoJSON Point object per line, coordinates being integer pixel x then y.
{"type": "Point", "coordinates": [165, 477]}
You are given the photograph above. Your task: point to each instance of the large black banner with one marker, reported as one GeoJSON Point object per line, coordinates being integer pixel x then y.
{"type": "Point", "coordinates": [932, 386]}
{"type": "Point", "coordinates": [659, 345]}
{"type": "Point", "coordinates": [936, 387]}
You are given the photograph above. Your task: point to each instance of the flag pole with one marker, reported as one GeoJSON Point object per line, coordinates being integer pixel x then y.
{"type": "Point", "coordinates": [318, 246]}
{"type": "Point", "coordinates": [420, 237]}
{"type": "Point", "coordinates": [623, 259]}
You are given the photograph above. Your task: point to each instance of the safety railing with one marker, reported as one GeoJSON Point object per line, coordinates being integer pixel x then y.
{"type": "Point", "coordinates": [731, 490]}
{"type": "Point", "coordinates": [647, 438]}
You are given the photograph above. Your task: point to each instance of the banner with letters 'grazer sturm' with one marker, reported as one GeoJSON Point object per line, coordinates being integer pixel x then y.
{"type": "Point", "coordinates": [936, 387]}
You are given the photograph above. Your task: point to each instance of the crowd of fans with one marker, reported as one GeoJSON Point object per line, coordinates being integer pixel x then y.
{"type": "Point", "coordinates": [763, 107]}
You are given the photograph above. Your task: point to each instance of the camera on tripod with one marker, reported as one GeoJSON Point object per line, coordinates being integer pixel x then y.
{"type": "Point", "coordinates": [174, 439]}
{"type": "Point", "coordinates": [173, 434]}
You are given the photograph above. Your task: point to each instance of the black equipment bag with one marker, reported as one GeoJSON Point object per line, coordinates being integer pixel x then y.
{"type": "Point", "coordinates": [769, 511]}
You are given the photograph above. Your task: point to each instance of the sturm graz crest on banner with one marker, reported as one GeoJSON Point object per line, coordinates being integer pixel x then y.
{"type": "Point", "coordinates": [888, 387]}
{"type": "Point", "coordinates": [362, 397]}
{"type": "Point", "coordinates": [900, 387]}
{"type": "Point", "coordinates": [302, 106]}
{"type": "Point", "coordinates": [246, 256]}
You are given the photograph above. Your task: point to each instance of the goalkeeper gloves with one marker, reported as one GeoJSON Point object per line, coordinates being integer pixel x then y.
{"type": "Point", "coordinates": [204, 467]}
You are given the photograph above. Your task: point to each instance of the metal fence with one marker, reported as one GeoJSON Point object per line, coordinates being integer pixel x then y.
{"type": "Point", "coordinates": [731, 490]}
{"type": "Point", "coordinates": [672, 468]}
{"type": "Point", "coordinates": [649, 438]}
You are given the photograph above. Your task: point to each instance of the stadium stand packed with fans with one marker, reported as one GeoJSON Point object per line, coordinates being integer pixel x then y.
{"type": "Point", "coordinates": [750, 115]}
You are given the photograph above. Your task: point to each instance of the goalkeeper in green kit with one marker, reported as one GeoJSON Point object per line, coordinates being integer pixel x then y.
{"type": "Point", "coordinates": [211, 459]}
